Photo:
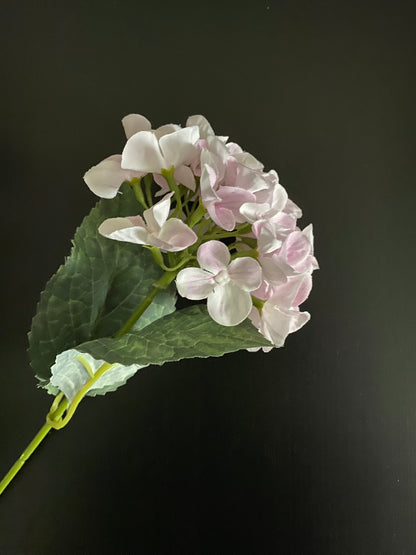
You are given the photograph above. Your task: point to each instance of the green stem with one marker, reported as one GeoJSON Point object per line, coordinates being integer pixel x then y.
{"type": "Point", "coordinates": [148, 180]}
{"type": "Point", "coordinates": [196, 215]}
{"type": "Point", "coordinates": [168, 175]}
{"type": "Point", "coordinates": [34, 444]}
{"type": "Point", "coordinates": [55, 418]}
{"type": "Point", "coordinates": [136, 185]}
{"type": "Point", "coordinates": [162, 283]}
{"type": "Point", "coordinates": [258, 303]}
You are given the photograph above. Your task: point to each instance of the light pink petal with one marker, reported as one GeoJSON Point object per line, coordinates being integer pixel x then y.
{"type": "Point", "coordinates": [308, 232]}
{"type": "Point", "coordinates": [136, 220]}
{"type": "Point", "coordinates": [157, 215]}
{"type": "Point", "coordinates": [278, 323]}
{"type": "Point", "coordinates": [233, 197]}
{"type": "Point", "coordinates": [205, 128]}
{"type": "Point", "coordinates": [303, 291]}
{"type": "Point", "coordinates": [292, 209]}
{"type": "Point", "coordinates": [275, 270]}
{"type": "Point", "coordinates": [207, 184]}
{"type": "Point", "coordinates": [122, 229]}
{"type": "Point", "coordinates": [234, 148]}
{"type": "Point", "coordinates": [185, 176]}
{"type": "Point", "coordinates": [229, 305]}
{"type": "Point", "coordinates": [142, 153]}
{"type": "Point", "coordinates": [161, 181]}
{"type": "Point", "coordinates": [222, 216]}
{"type": "Point", "coordinates": [180, 146]}
{"type": "Point", "coordinates": [194, 283]}
{"type": "Point", "coordinates": [240, 176]}
{"type": "Point", "coordinates": [296, 248]}
{"type": "Point", "coordinates": [296, 289]}
{"type": "Point", "coordinates": [246, 273]}
{"type": "Point", "coordinates": [213, 256]}
{"type": "Point", "coordinates": [133, 123]}
{"type": "Point", "coordinates": [177, 235]}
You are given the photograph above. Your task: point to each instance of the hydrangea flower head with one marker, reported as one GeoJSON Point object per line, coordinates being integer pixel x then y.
{"type": "Point", "coordinates": [228, 225]}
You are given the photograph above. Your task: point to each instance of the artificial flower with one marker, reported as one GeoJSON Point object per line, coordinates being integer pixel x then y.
{"type": "Point", "coordinates": [226, 285]}
{"type": "Point", "coordinates": [155, 229]}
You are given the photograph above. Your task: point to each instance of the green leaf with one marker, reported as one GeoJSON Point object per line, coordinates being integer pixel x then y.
{"type": "Point", "coordinates": [186, 333]}
{"type": "Point", "coordinates": [100, 285]}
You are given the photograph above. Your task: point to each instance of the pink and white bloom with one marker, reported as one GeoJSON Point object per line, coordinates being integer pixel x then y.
{"type": "Point", "coordinates": [297, 250]}
{"type": "Point", "coordinates": [147, 151]}
{"type": "Point", "coordinates": [280, 314]}
{"type": "Point", "coordinates": [226, 285]}
{"type": "Point", "coordinates": [154, 151]}
{"type": "Point", "coordinates": [155, 230]}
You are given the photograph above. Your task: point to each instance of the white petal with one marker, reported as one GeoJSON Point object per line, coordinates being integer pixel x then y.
{"type": "Point", "coordinates": [246, 273]}
{"type": "Point", "coordinates": [278, 323]}
{"type": "Point", "coordinates": [248, 160]}
{"type": "Point", "coordinates": [213, 256]}
{"type": "Point", "coordinates": [205, 128]}
{"type": "Point", "coordinates": [308, 232]}
{"type": "Point", "coordinates": [253, 211]}
{"type": "Point", "coordinates": [266, 237]}
{"type": "Point", "coordinates": [185, 176]}
{"type": "Point", "coordinates": [194, 283]}
{"type": "Point", "coordinates": [229, 305]}
{"type": "Point", "coordinates": [142, 153]}
{"type": "Point", "coordinates": [177, 235]}
{"type": "Point", "coordinates": [157, 215]}
{"type": "Point", "coordinates": [105, 178]}
{"type": "Point", "coordinates": [133, 123]}
{"type": "Point", "coordinates": [179, 147]}
{"type": "Point", "coordinates": [123, 229]}
{"type": "Point", "coordinates": [166, 129]}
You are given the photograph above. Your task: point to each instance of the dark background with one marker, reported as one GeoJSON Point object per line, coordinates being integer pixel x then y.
{"type": "Point", "coordinates": [310, 449]}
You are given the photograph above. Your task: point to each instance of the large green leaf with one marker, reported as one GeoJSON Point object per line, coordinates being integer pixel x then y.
{"type": "Point", "coordinates": [186, 333]}
{"type": "Point", "coordinates": [101, 283]}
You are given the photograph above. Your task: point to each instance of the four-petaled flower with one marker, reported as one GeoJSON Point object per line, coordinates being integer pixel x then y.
{"type": "Point", "coordinates": [226, 285]}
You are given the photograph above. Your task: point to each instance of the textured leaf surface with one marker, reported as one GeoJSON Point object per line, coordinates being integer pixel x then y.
{"type": "Point", "coordinates": [101, 283]}
{"type": "Point", "coordinates": [186, 333]}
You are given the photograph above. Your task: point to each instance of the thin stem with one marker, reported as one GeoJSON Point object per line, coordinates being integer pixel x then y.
{"type": "Point", "coordinates": [168, 175]}
{"type": "Point", "coordinates": [60, 423]}
{"type": "Point", "coordinates": [55, 418]}
{"type": "Point", "coordinates": [136, 185]}
{"type": "Point", "coordinates": [196, 215]}
{"type": "Point", "coordinates": [148, 180]}
{"type": "Point", "coordinates": [34, 444]}
{"type": "Point", "coordinates": [162, 283]}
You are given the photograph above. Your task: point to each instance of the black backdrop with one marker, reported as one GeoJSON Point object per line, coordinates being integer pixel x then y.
{"type": "Point", "coordinates": [310, 449]}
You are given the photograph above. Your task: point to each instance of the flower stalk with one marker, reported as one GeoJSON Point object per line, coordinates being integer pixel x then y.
{"type": "Point", "coordinates": [61, 410]}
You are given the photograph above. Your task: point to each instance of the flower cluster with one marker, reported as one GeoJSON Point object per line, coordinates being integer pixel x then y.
{"type": "Point", "coordinates": [224, 226]}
